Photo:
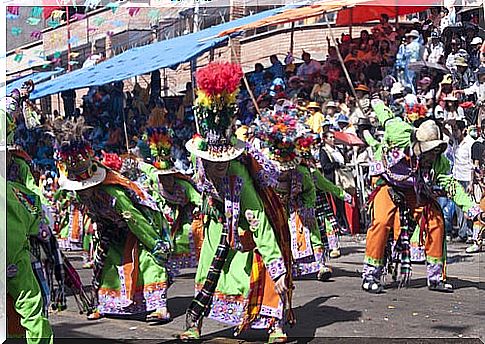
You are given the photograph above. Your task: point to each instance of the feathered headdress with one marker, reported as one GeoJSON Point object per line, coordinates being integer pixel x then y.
{"type": "Point", "coordinates": [74, 155]}
{"type": "Point", "coordinates": [215, 112]}
{"type": "Point", "coordinates": [160, 142]}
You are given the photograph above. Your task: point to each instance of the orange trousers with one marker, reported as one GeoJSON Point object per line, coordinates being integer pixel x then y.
{"type": "Point", "coordinates": [386, 217]}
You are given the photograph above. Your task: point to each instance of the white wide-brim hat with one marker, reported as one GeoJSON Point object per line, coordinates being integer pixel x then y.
{"type": "Point", "coordinates": [231, 153]}
{"type": "Point", "coordinates": [73, 185]}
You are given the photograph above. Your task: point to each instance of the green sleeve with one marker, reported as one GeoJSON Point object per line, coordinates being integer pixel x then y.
{"type": "Point", "coordinates": [450, 185]}
{"type": "Point", "coordinates": [136, 221]}
{"type": "Point", "coordinates": [372, 142]}
{"type": "Point", "coordinates": [150, 171]}
{"type": "Point", "coordinates": [325, 185]}
{"type": "Point", "coordinates": [309, 195]}
{"type": "Point", "coordinates": [253, 218]}
{"type": "Point", "coordinates": [28, 179]}
{"type": "Point", "coordinates": [383, 113]}
{"type": "Point", "coordinates": [191, 193]}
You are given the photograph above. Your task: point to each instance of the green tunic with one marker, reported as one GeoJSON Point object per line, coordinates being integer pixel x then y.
{"type": "Point", "coordinates": [23, 218]}
{"type": "Point", "coordinates": [132, 280]}
{"type": "Point", "coordinates": [233, 287]}
{"type": "Point", "coordinates": [182, 203]}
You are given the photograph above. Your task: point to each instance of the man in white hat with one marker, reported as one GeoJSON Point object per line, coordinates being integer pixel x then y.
{"type": "Point", "coordinates": [435, 49]}
{"type": "Point", "coordinates": [475, 45]}
{"type": "Point", "coordinates": [411, 172]}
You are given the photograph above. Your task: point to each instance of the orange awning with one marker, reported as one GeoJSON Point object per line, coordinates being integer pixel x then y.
{"type": "Point", "coordinates": [294, 14]}
{"type": "Point", "coordinates": [349, 12]}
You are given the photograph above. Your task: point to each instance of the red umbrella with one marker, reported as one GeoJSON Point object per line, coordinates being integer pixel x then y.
{"type": "Point", "coordinates": [348, 139]}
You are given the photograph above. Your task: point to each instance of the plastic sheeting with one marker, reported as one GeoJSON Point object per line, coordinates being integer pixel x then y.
{"type": "Point", "coordinates": [142, 60]}
{"type": "Point", "coordinates": [366, 11]}
{"type": "Point", "coordinates": [36, 77]}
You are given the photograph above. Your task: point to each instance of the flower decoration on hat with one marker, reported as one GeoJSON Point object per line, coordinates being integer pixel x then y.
{"type": "Point", "coordinates": [112, 160]}
{"type": "Point", "coordinates": [284, 137]}
{"type": "Point", "coordinates": [415, 112]}
{"type": "Point", "coordinates": [304, 146]}
{"type": "Point", "coordinates": [215, 111]}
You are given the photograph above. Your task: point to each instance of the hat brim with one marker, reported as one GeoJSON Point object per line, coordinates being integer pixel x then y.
{"type": "Point", "coordinates": [231, 154]}
{"type": "Point", "coordinates": [171, 170]}
{"type": "Point", "coordinates": [420, 148]}
{"type": "Point", "coordinates": [73, 185]}
{"type": "Point", "coordinates": [286, 165]}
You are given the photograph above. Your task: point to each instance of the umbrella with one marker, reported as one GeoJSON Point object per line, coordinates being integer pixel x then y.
{"type": "Point", "coordinates": [348, 139]}
{"type": "Point", "coordinates": [420, 65]}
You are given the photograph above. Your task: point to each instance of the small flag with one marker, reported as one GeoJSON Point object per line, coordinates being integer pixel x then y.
{"type": "Point", "coordinates": [73, 40]}
{"type": "Point", "coordinates": [18, 57]}
{"type": "Point", "coordinates": [32, 21]}
{"type": "Point", "coordinates": [133, 11]}
{"type": "Point", "coordinates": [36, 34]}
{"type": "Point", "coordinates": [74, 54]}
{"type": "Point", "coordinates": [117, 23]}
{"type": "Point", "coordinates": [36, 12]}
{"type": "Point", "coordinates": [154, 15]}
{"type": "Point", "coordinates": [78, 16]}
{"type": "Point", "coordinates": [98, 21]}
{"type": "Point", "coordinates": [72, 63]}
{"type": "Point", "coordinates": [114, 6]}
{"type": "Point", "coordinates": [57, 14]}
{"type": "Point", "coordinates": [57, 54]}
{"type": "Point", "coordinates": [90, 4]}
{"type": "Point", "coordinates": [53, 23]}
{"type": "Point", "coordinates": [14, 10]}
{"type": "Point", "coordinates": [16, 31]}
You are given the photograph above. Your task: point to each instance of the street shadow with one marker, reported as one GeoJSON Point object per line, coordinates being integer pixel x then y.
{"type": "Point", "coordinates": [186, 275]}
{"type": "Point", "coordinates": [458, 258]}
{"type": "Point", "coordinates": [309, 318]}
{"type": "Point", "coordinates": [457, 283]}
{"type": "Point", "coordinates": [314, 315]}
{"type": "Point", "coordinates": [339, 272]}
{"type": "Point", "coordinates": [177, 307]}
{"type": "Point", "coordinates": [451, 328]}
{"type": "Point", "coordinates": [348, 250]}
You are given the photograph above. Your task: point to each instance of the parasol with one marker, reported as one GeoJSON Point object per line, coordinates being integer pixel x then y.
{"type": "Point", "coordinates": [348, 139]}
{"type": "Point", "coordinates": [420, 65]}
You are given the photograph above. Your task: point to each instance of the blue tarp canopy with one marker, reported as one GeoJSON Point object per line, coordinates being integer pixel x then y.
{"type": "Point", "coordinates": [145, 59]}
{"type": "Point", "coordinates": [36, 77]}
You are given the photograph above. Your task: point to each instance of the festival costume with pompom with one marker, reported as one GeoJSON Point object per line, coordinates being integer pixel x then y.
{"type": "Point", "coordinates": [243, 251]}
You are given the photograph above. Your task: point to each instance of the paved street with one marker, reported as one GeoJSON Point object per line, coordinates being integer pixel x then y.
{"type": "Point", "coordinates": [337, 308]}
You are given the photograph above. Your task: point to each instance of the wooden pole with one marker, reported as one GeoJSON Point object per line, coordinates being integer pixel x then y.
{"type": "Point", "coordinates": [346, 72]}
{"type": "Point", "coordinates": [69, 68]}
{"type": "Point", "coordinates": [255, 103]}
{"type": "Point", "coordinates": [292, 38]}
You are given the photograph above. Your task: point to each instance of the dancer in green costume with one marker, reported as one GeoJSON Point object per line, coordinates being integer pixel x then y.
{"type": "Point", "coordinates": [129, 269]}
{"type": "Point", "coordinates": [242, 274]}
{"type": "Point", "coordinates": [24, 212]}
{"type": "Point", "coordinates": [176, 197]}
{"type": "Point", "coordinates": [282, 135]}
